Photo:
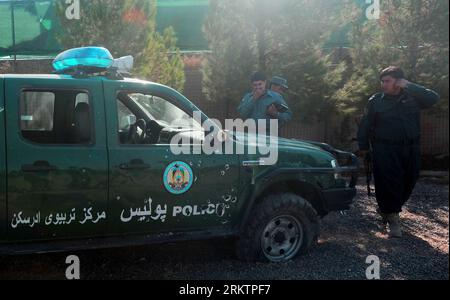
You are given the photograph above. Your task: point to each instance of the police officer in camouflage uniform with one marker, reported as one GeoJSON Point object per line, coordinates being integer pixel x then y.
{"type": "Point", "coordinates": [392, 126]}
{"type": "Point", "coordinates": [263, 104]}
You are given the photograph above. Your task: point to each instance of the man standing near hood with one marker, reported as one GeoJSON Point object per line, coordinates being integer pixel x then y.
{"type": "Point", "coordinates": [263, 104]}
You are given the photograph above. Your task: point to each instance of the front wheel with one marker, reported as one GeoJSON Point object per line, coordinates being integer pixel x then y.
{"type": "Point", "coordinates": [282, 226]}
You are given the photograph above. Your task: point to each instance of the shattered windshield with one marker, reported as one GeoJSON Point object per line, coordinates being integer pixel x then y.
{"type": "Point", "coordinates": [166, 113]}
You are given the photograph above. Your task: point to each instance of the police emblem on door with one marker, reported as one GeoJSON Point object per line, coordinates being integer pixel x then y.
{"type": "Point", "coordinates": [178, 178]}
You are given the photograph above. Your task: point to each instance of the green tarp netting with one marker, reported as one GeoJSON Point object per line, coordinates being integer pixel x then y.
{"type": "Point", "coordinates": [33, 23]}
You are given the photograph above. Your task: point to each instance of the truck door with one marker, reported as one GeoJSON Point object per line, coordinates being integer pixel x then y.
{"type": "Point", "coordinates": [57, 158]}
{"type": "Point", "coordinates": [152, 189]}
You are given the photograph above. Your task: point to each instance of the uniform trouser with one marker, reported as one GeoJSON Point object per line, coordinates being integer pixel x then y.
{"type": "Point", "coordinates": [396, 171]}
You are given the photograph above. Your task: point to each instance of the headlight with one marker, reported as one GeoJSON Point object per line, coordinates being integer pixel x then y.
{"type": "Point", "coordinates": [334, 164]}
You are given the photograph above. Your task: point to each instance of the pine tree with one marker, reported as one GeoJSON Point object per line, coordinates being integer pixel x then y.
{"type": "Point", "coordinates": [278, 37]}
{"type": "Point", "coordinates": [122, 26]}
{"type": "Point", "coordinates": [298, 32]}
{"type": "Point", "coordinates": [161, 60]}
{"type": "Point", "coordinates": [412, 34]}
{"type": "Point", "coordinates": [228, 67]}
{"type": "Point", "coordinates": [125, 27]}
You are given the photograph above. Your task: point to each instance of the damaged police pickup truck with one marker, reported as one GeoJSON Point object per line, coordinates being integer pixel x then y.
{"type": "Point", "coordinates": [86, 162]}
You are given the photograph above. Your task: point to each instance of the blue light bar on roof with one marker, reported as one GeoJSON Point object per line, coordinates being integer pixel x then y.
{"type": "Point", "coordinates": [96, 57]}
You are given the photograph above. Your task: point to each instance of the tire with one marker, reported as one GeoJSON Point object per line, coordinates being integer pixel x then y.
{"type": "Point", "coordinates": [282, 227]}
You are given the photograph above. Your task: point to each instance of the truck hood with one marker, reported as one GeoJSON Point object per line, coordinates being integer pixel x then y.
{"type": "Point", "coordinates": [289, 152]}
{"type": "Point", "coordinates": [283, 143]}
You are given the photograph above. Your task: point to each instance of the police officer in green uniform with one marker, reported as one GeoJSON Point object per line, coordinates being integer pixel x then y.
{"type": "Point", "coordinates": [280, 85]}
{"type": "Point", "coordinates": [391, 126]}
{"type": "Point", "coordinates": [263, 104]}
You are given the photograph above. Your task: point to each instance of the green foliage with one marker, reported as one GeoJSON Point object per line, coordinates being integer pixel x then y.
{"type": "Point", "coordinates": [228, 67]}
{"type": "Point", "coordinates": [125, 27]}
{"type": "Point", "coordinates": [285, 37]}
{"type": "Point", "coordinates": [412, 34]}
{"type": "Point", "coordinates": [161, 61]}
{"type": "Point", "coordinates": [122, 26]}
{"type": "Point", "coordinates": [278, 37]}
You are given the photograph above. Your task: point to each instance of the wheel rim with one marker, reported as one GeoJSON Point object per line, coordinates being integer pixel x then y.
{"type": "Point", "coordinates": [282, 238]}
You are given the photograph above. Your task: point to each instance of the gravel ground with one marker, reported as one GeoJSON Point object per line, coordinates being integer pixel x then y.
{"type": "Point", "coordinates": [347, 239]}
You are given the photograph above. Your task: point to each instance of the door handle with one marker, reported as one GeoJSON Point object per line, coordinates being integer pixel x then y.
{"type": "Point", "coordinates": [39, 166]}
{"type": "Point", "coordinates": [253, 163]}
{"type": "Point", "coordinates": [135, 164]}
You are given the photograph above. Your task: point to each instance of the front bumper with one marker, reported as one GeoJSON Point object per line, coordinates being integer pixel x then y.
{"type": "Point", "coordinates": [339, 199]}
